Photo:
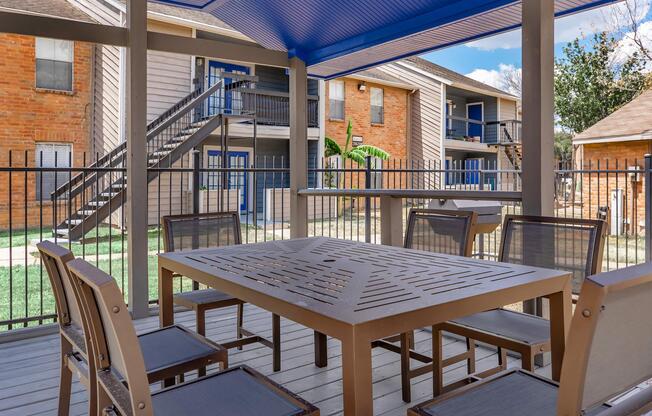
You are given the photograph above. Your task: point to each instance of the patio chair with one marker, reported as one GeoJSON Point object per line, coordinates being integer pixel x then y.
{"type": "Point", "coordinates": [236, 391]}
{"type": "Point", "coordinates": [570, 244]}
{"type": "Point", "coordinates": [607, 354]}
{"type": "Point", "coordinates": [217, 229]}
{"type": "Point", "coordinates": [437, 231]}
{"type": "Point", "coordinates": [169, 351]}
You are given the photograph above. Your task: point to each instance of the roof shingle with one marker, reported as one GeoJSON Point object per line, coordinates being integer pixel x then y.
{"type": "Point", "coordinates": [634, 118]}
{"type": "Point", "coordinates": [54, 8]}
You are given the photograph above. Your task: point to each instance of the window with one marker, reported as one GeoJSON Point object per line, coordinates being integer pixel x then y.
{"type": "Point", "coordinates": [336, 96]}
{"type": "Point", "coordinates": [50, 155]}
{"type": "Point", "coordinates": [54, 64]}
{"type": "Point", "coordinates": [377, 109]}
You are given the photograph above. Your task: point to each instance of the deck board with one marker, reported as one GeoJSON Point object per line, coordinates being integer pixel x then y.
{"type": "Point", "coordinates": [30, 368]}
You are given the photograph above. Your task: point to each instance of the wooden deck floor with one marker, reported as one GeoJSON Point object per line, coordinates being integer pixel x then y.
{"type": "Point", "coordinates": [29, 368]}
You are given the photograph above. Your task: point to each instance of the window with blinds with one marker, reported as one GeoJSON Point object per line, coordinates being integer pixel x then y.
{"type": "Point", "coordinates": [336, 99]}
{"type": "Point", "coordinates": [54, 59]}
{"type": "Point", "coordinates": [377, 106]}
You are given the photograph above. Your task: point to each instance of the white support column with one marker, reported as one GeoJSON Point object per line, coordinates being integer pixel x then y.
{"type": "Point", "coordinates": [321, 146]}
{"type": "Point", "coordinates": [137, 156]}
{"type": "Point", "coordinates": [538, 107]}
{"type": "Point", "coordinates": [298, 148]}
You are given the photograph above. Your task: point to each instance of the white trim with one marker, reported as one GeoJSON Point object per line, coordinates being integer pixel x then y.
{"type": "Point", "coordinates": [467, 87]}
{"type": "Point", "coordinates": [373, 80]}
{"type": "Point", "coordinates": [424, 73]}
{"type": "Point", "coordinates": [481, 103]}
{"type": "Point", "coordinates": [614, 139]}
{"type": "Point", "coordinates": [443, 129]}
{"type": "Point", "coordinates": [321, 144]}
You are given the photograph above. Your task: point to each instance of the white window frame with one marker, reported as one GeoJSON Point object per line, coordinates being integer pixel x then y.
{"type": "Point", "coordinates": [341, 101]}
{"type": "Point", "coordinates": [39, 44]}
{"type": "Point", "coordinates": [382, 105]}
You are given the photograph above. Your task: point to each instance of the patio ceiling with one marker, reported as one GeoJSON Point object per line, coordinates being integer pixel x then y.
{"type": "Point", "coordinates": [337, 37]}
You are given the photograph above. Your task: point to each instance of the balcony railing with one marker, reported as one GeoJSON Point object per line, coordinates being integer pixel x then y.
{"type": "Point", "coordinates": [260, 192]}
{"type": "Point", "coordinates": [489, 132]}
{"type": "Point", "coordinates": [273, 107]}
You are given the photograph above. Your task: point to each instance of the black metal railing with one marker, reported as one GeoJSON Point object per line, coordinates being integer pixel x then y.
{"type": "Point", "coordinates": [259, 190]}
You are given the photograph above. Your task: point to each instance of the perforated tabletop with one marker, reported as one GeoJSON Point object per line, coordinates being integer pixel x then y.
{"type": "Point", "coordinates": [355, 282]}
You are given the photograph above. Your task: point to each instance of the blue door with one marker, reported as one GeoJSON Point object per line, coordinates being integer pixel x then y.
{"type": "Point", "coordinates": [228, 102]}
{"type": "Point", "coordinates": [475, 112]}
{"type": "Point", "coordinates": [236, 180]}
{"type": "Point", "coordinates": [472, 171]}
{"type": "Point", "coordinates": [449, 176]}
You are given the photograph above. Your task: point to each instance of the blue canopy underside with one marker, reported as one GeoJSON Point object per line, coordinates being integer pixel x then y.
{"type": "Point", "coordinates": [337, 37]}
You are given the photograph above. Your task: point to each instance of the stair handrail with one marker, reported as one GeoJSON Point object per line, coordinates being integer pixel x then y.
{"type": "Point", "coordinates": [106, 159]}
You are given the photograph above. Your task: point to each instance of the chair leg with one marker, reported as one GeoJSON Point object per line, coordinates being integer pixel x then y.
{"type": "Point", "coordinates": [405, 368]}
{"type": "Point", "coordinates": [411, 338]}
{"type": "Point", "coordinates": [103, 401]}
{"type": "Point", "coordinates": [200, 317]}
{"type": "Point", "coordinates": [240, 322]}
{"type": "Point", "coordinates": [65, 378]}
{"type": "Point", "coordinates": [470, 361]}
{"type": "Point", "coordinates": [276, 341]}
{"type": "Point", "coordinates": [502, 358]}
{"type": "Point", "coordinates": [437, 362]}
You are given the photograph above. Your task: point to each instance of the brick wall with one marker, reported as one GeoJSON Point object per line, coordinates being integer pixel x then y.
{"type": "Point", "coordinates": [597, 187]}
{"type": "Point", "coordinates": [390, 136]}
{"type": "Point", "coordinates": [29, 116]}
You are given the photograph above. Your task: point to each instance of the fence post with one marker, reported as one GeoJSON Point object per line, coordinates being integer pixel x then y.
{"type": "Point", "coordinates": [195, 181]}
{"type": "Point", "coordinates": [648, 207]}
{"type": "Point", "coordinates": [367, 202]}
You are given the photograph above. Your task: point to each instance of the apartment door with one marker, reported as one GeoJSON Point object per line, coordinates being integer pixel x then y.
{"type": "Point", "coordinates": [236, 180]}
{"type": "Point", "coordinates": [224, 100]}
{"type": "Point", "coordinates": [475, 111]}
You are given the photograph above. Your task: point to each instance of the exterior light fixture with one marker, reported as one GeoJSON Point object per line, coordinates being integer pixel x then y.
{"type": "Point", "coordinates": [362, 86]}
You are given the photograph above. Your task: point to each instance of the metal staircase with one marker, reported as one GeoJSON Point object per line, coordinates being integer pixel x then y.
{"type": "Point", "coordinates": [510, 141]}
{"type": "Point", "coordinates": [100, 189]}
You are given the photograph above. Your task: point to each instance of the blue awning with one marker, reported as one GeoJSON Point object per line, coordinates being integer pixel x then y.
{"type": "Point", "coordinates": [336, 37]}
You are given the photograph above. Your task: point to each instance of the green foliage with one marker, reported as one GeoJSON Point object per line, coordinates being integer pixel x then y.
{"type": "Point", "coordinates": [563, 147]}
{"type": "Point", "coordinates": [357, 154]}
{"type": "Point", "coordinates": [589, 85]}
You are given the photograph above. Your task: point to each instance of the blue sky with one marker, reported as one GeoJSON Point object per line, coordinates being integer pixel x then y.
{"type": "Point", "coordinates": [485, 59]}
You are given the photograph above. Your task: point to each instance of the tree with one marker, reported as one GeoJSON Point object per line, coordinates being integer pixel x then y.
{"type": "Point", "coordinates": [563, 148]}
{"type": "Point", "coordinates": [626, 21]}
{"type": "Point", "coordinates": [589, 85]}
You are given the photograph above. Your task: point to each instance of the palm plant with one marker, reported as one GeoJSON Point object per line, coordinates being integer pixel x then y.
{"type": "Point", "coordinates": [358, 154]}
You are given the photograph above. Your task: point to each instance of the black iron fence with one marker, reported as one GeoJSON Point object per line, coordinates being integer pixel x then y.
{"type": "Point", "coordinates": [258, 188]}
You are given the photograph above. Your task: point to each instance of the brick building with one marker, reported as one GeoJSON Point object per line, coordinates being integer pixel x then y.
{"type": "Point", "coordinates": [45, 99]}
{"type": "Point", "coordinates": [619, 141]}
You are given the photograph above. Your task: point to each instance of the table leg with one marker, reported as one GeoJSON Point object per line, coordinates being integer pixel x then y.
{"type": "Point", "coordinates": [560, 317]}
{"type": "Point", "coordinates": [321, 350]}
{"type": "Point", "coordinates": [356, 377]}
{"type": "Point", "coordinates": [165, 302]}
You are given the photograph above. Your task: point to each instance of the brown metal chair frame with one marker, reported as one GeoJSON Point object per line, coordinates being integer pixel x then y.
{"type": "Point", "coordinates": [243, 336]}
{"type": "Point", "coordinates": [406, 340]}
{"type": "Point", "coordinates": [580, 341]}
{"type": "Point", "coordinates": [76, 351]}
{"type": "Point", "coordinates": [527, 351]}
{"type": "Point", "coordinates": [113, 339]}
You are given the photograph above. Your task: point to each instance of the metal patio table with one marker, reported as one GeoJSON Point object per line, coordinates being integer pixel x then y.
{"type": "Point", "coordinates": [358, 292]}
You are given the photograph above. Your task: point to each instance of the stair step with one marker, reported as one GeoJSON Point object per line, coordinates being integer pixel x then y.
{"type": "Point", "coordinates": [96, 203]}
{"type": "Point", "coordinates": [61, 231]}
{"type": "Point", "coordinates": [75, 221]}
{"type": "Point", "coordinates": [85, 212]}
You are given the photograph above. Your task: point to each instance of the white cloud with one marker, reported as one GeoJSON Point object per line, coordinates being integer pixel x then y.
{"type": "Point", "coordinates": [568, 28]}
{"type": "Point", "coordinates": [496, 77]}
{"type": "Point", "coordinates": [627, 46]}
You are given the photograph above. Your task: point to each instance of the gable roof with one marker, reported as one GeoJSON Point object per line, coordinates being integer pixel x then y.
{"type": "Point", "coordinates": [633, 121]}
{"type": "Point", "coordinates": [52, 8]}
{"type": "Point", "coordinates": [376, 75]}
{"type": "Point", "coordinates": [456, 79]}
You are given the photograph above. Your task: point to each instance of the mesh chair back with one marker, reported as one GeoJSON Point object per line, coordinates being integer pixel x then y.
{"type": "Point", "coordinates": [609, 341]}
{"type": "Point", "coordinates": [570, 244]}
{"type": "Point", "coordinates": [113, 336]}
{"type": "Point", "coordinates": [193, 231]}
{"type": "Point", "coordinates": [55, 259]}
{"type": "Point", "coordinates": [441, 231]}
